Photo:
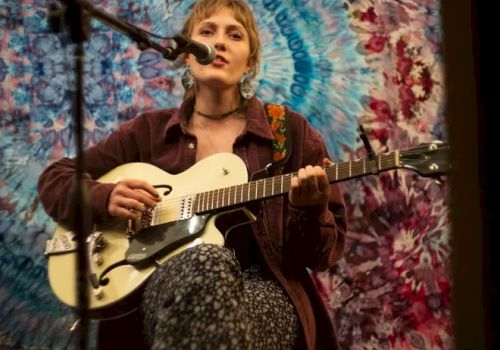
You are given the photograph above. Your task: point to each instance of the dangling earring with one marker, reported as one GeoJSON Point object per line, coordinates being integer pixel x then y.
{"type": "Point", "coordinates": [247, 86]}
{"type": "Point", "coordinates": [187, 79]}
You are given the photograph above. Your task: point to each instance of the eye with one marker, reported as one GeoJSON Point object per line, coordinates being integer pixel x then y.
{"type": "Point", "coordinates": [205, 31]}
{"type": "Point", "coordinates": [236, 36]}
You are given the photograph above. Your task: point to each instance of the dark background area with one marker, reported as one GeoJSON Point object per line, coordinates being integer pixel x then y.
{"type": "Point", "coordinates": [471, 77]}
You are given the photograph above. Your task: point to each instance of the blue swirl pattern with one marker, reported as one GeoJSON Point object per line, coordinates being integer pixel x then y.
{"type": "Point", "coordinates": [336, 63]}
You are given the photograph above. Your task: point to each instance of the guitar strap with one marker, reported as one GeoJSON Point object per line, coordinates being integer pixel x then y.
{"type": "Point", "coordinates": [282, 144]}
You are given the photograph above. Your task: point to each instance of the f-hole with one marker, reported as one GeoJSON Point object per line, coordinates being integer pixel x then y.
{"type": "Point", "coordinates": [167, 188]}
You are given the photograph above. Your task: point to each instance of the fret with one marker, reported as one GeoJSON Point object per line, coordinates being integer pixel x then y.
{"type": "Point", "coordinates": [241, 201]}
{"type": "Point", "coordinates": [223, 197]}
{"type": "Point", "coordinates": [206, 199]}
{"type": "Point", "coordinates": [364, 165]}
{"type": "Point", "coordinates": [357, 167]}
{"type": "Point", "coordinates": [336, 172]}
{"type": "Point", "coordinates": [248, 194]}
{"type": "Point", "coordinates": [379, 161]}
{"type": "Point", "coordinates": [272, 186]}
{"type": "Point", "coordinates": [396, 158]}
{"type": "Point", "coordinates": [281, 178]}
{"type": "Point", "coordinates": [250, 191]}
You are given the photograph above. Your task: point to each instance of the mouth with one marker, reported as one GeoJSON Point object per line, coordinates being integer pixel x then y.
{"type": "Point", "coordinates": [220, 59]}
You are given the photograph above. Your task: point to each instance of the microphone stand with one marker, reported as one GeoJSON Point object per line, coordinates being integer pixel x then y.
{"type": "Point", "coordinates": [77, 23]}
{"type": "Point", "coordinates": [76, 14]}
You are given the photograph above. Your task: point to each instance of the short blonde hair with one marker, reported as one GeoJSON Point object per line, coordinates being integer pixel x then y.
{"type": "Point", "coordinates": [203, 9]}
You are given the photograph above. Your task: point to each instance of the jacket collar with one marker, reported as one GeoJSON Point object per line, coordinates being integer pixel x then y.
{"type": "Point", "coordinates": [257, 121]}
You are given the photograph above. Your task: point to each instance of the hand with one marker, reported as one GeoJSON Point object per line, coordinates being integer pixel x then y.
{"type": "Point", "coordinates": [310, 187]}
{"type": "Point", "coordinates": [130, 197]}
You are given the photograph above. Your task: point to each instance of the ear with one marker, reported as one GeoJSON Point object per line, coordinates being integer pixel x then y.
{"type": "Point", "coordinates": [250, 65]}
{"type": "Point", "coordinates": [250, 70]}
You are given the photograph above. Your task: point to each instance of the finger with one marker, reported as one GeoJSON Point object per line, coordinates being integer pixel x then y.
{"type": "Point", "coordinates": [129, 203]}
{"type": "Point", "coordinates": [115, 209]}
{"type": "Point", "coordinates": [294, 184]}
{"type": "Point", "coordinates": [312, 182]}
{"type": "Point", "coordinates": [323, 184]}
{"type": "Point", "coordinates": [302, 179]}
{"type": "Point", "coordinates": [138, 195]}
{"type": "Point", "coordinates": [327, 162]}
{"type": "Point", "coordinates": [294, 190]}
{"type": "Point", "coordinates": [149, 200]}
{"type": "Point", "coordinates": [140, 184]}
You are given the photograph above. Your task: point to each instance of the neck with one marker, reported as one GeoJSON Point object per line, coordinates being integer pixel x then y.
{"type": "Point", "coordinates": [216, 104]}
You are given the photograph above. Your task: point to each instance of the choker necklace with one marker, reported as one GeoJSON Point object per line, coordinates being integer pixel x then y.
{"type": "Point", "coordinates": [217, 116]}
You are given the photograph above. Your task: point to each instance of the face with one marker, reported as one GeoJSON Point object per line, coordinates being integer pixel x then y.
{"type": "Point", "coordinates": [232, 45]}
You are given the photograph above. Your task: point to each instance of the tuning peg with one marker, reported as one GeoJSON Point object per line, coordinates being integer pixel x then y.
{"type": "Point", "coordinates": [439, 179]}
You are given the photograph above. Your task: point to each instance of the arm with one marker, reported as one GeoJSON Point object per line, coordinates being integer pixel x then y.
{"type": "Point", "coordinates": [316, 220]}
{"type": "Point", "coordinates": [56, 183]}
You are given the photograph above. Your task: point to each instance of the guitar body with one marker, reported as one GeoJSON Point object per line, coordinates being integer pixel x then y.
{"type": "Point", "coordinates": [217, 171]}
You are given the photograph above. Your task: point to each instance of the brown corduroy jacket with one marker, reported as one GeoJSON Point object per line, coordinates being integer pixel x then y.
{"type": "Point", "coordinates": [290, 240]}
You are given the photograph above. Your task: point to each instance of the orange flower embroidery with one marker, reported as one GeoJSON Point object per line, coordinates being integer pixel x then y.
{"type": "Point", "coordinates": [276, 115]}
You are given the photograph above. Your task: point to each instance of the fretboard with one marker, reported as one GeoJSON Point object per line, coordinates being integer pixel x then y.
{"type": "Point", "coordinates": [278, 185]}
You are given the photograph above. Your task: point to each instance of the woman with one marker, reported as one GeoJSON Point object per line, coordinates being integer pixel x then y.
{"type": "Point", "coordinates": [255, 292]}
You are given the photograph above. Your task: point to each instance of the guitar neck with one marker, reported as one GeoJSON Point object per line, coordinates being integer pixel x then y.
{"type": "Point", "coordinates": [278, 185]}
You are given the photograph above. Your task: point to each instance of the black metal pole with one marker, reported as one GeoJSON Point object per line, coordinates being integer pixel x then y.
{"type": "Point", "coordinates": [78, 24]}
{"type": "Point", "coordinates": [82, 226]}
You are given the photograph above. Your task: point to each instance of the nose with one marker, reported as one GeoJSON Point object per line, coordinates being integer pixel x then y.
{"type": "Point", "coordinates": [220, 46]}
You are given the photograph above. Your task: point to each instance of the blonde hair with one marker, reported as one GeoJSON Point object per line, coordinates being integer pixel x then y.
{"type": "Point", "coordinates": [203, 9]}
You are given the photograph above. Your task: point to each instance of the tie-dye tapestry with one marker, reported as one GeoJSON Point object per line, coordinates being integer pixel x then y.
{"type": "Point", "coordinates": [339, 63]}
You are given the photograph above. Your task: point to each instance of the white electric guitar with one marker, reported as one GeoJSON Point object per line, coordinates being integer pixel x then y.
{"type": "Point", "coordinates": [123, 254]}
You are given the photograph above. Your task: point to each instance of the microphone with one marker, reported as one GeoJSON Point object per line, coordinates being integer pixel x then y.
{"type": "Point", "coordinates": [204, 53]}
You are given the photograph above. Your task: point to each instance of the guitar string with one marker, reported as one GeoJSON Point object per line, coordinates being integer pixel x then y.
{"type": "Point", "coordinates": [385, 160]}
{"type": "Point", "coordinates": [389, 160]}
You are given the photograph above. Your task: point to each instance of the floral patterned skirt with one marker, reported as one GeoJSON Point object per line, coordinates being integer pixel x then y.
{"type": "Point", "coordinates": [201, 299]}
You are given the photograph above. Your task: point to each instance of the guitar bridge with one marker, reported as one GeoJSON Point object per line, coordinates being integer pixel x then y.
{"type": "Point", "coordinates": [143, 221]}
